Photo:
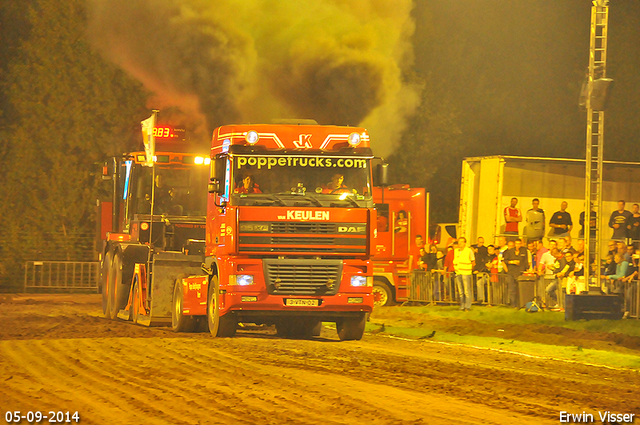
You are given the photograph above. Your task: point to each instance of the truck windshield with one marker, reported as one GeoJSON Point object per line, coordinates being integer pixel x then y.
{"type": "Point", "coordinates": [316, 177]}
{"type": "Point", "coordinates": [178, 191]}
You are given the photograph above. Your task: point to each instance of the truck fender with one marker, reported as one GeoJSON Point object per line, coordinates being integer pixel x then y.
{"type": "Point", "coordinates": [385, 278]}
{"type": "Point", "coordinates": [132, 254]}
{"type": "Point", "coordinates": [194, 294]}
{"type": "Point", "coordinates": [210, 266]}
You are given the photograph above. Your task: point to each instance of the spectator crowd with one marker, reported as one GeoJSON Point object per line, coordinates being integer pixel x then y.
{"type": "Point", "coordinates": [544, 255]}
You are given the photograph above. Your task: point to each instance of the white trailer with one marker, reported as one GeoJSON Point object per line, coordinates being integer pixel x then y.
{"type": "Point", "coordinates": [489, 183]}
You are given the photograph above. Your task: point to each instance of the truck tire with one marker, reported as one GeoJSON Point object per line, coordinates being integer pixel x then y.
{"type": "Point", "coordinates": [382, 294]}
{"type": "Point", "coordinates": [219, 326]}
{"type": "Point", "coordinates": [180, 322]}
{"type": "Point", "coordinates": [298, 328]}
{"type": "Point", "coordinates": [351, 328]}
{"type": "Point", "coordinates": [105, 274]}
{"type": "Point", "coordinates": [119, 292]}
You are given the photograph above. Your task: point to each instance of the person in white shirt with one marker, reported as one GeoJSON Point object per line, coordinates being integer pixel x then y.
{"type": "Point", "coordinates": [463, 263]}
{"type": "Point", "coordinates": [545, 269]}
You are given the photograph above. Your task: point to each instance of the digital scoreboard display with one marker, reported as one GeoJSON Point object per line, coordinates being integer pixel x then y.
{"type": "Point", "coordinates": [166, 132]}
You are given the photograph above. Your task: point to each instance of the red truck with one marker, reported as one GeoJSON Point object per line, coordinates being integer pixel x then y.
{"type": "Point", "coordinates": [402, 216]}
{"type": "Point", "coordinates": [286, 239]}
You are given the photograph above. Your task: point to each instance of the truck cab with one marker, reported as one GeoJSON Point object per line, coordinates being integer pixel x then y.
{"type": "Point", "coordinates": [289, 232]}
{"type": "Point", "coordinates": [159, 209]}
{"type": "Point", "coordinates": [402, 217]}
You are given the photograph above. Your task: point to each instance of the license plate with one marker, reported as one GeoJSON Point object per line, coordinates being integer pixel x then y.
{"type": "Point", "coordinates": [299, 302]}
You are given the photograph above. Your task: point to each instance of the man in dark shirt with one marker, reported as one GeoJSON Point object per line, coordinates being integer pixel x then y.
{"type": "Point", "coordinates": [561, 221]}
{"type": "Point", "coordinates": [431, 258]}
{"type": "Point", "coordinates": [618, 221]}
{"type": "Point", "coordinates": [568, 256]}
{"type": "Point", "coordinates": [516, 260]}
{"type": "Point", "coordinates": [480, 252]}
{"type": "Point", "coordinates": [592, 224]}
{"type": "Point", "coordinates": [480, 270]}
{"type": "Point", "coordinates": [633, 225]}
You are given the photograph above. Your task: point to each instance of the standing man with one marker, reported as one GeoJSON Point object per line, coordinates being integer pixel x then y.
{"type": "Point", "coordinates": [414, 254]}
{"type": "Point", "coordinates": [463, 263]}
{"type": "Point", "coordinates": [512, 216]}
{"type": "Point", "coordinates": [545, 269]}
{"type": "Point", "coordinates": [633, 225]}
{"type": "Point", "coordinates": [516, 260]}
{"type": "Point", "coordinates": [618, 221]}
{"type": "Point", "coordinates": [560, 270]}
{"type": "Point", "coordinates": [449, 269]}
{"type": "Point", "coordinates": [532, 250]}
{"type": "Point", "coordinates": [535, 221]}
{"type": "Point", "coordinates": [561, 221]}
{"type": "Point", "coordinates": [480, 269]}
{"type": "Point", "coordinates": [592, 223]}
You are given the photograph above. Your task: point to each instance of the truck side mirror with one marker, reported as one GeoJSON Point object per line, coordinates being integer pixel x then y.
{"type": "Point", "coordinates": [214, 185]}
{"type": "Point", "coordinates": [218, 170]}
{"type": "Point", "coordinates": [382, 174]}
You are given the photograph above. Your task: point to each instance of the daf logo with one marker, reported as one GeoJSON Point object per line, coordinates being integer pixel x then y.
{"type": "Point", "coordinates": [303, 142]}
{"type": "Point", "coordinates": [352, 229]}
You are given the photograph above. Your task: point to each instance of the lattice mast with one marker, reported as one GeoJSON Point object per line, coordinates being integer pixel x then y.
{"type": "Point", "coordinates": [595, 140]}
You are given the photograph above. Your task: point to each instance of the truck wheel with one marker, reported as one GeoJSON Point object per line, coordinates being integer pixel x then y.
{"type": "Point", "coordinates": [382, 294]}
{"type": "Point", "coordinates": [119, 292]}
{"type": "Point", "coordinates": [219, 326]}
{"type": "Point", "coordinates": [180, 322]}
{"type": "Point", "coordinates": [105, 276]}
{"type": "Point", "coordinates": [351, 328]}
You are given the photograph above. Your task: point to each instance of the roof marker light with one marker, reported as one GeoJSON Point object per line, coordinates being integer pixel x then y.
{"type": "Point", "coordinates": [198, 160]}
{"type": "Point", "coordinates": [354, 139]}
{"type": "Point", "coordinates": [251, 137]}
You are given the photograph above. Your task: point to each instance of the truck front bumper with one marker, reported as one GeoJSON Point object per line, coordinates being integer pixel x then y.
{"type": "Point", "coordinates": [249, 304]}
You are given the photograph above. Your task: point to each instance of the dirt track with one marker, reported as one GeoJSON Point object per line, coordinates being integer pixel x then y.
{"type": "Point", "coordinates": [56, 355]}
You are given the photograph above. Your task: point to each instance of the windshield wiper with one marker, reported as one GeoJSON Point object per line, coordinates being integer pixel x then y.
{"type": "Point", "coordinates": [313, 200]}
{"type": "Point", "coordinates": [350, 199]}
{"type": "Point", "coordinates": [275, 198]}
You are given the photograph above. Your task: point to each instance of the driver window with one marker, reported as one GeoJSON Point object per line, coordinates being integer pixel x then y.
{"type": "Point", "coordinates": [383, 217]}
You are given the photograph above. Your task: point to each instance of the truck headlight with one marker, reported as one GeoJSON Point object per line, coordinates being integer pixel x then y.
{"type": "Point", "coordinates": [252, 137]}
{"type": "Point", "coordinates": [354, 139]}
{"type": "Point", "coordinates": [241, 279]}
{"type": "Point", "coordinates": [361, 280]}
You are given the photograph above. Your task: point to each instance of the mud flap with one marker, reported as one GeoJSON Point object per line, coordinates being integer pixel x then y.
{"type": "Point", "coordinates": [167, 267]}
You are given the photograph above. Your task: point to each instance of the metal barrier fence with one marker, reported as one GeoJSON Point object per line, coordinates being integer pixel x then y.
{"type": "Point", "coordinates": [632, 298]}
{"type": "Point", "coordinates": [439, 287]}
{"type": "Point", "coordinates": [61, 276]}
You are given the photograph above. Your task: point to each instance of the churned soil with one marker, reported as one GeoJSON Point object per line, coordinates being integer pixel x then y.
{"type": "Point", "coordinates": [545, 334]}
{"type": "Point", "coordinates": [58, 354]}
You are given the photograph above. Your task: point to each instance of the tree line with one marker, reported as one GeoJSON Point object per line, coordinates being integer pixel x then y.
{"type": "Point", "coordinates": [497, 78]}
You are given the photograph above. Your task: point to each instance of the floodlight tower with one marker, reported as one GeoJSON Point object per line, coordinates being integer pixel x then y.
{"type": "Point", "coordinates": [597, 94]}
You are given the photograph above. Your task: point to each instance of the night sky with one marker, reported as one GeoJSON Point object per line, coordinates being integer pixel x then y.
{"type": "Point", "coordinates": [515, 68]}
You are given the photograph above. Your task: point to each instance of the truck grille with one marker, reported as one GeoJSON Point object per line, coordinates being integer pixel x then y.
{"type": "Point", "coordinates": [302, 277]}
{"type": "Point", "coordinates": [288, 227]}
